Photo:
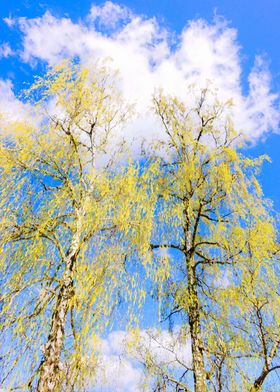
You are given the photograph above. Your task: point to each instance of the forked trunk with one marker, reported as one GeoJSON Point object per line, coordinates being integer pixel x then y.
{"type": "Point", "coordinates": [259, 381]}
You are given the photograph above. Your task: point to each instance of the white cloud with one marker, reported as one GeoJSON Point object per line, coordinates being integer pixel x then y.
{"type": "Point", "coordinates": [148, 57]}
{"type": "Point", "coordinates": [260, 102]}
{"type": "Point", "coordinates": [120, 369]}
{"type": "Point", "coordinates": [118, 374]}
{"type": "Point", "coordinates": [12, 107]}
{"type": "Point", "coordinates": [110, 14]}
{"type": "Point", "coordinates": [116, 370]}
{"type": "Point", "coordinates": [167, 347]}
{"type": "Point", "coordinates": [50, 39]}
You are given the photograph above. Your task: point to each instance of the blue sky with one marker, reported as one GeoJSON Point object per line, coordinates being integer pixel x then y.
{"type": "Point", "coordinates": [158, 44]}
{"type": "Point", "coordinates": [255, 23]}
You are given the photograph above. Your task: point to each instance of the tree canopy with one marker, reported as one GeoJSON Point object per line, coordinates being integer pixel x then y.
{"type": "Point", "coordinates": [85, 227]}
{"type": "Point", "coordinates": [68, 222]}
{"type": "Point", "coordinates": [219, 278]}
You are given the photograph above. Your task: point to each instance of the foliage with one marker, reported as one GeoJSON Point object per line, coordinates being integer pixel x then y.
{"type": "Point", "coordinates": [72, 213]}
{"type": "Point", "coordinates": [219, 277]}
{"type": "Point", "coordinates": [82, 223]}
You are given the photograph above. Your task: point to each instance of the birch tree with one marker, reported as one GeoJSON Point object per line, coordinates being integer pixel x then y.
{"type": "Point", "coordinates": [215, 244]}
{"type": "Point", "coordinates": [68, 219]}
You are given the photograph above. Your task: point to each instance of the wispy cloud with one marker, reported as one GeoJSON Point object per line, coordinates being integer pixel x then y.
{"type": "Point", "coordinates": [5, 50]}
{"type": "Point", "coordinates": [110, 15]}
{"type": "Point", "coordinates": [9, 21]}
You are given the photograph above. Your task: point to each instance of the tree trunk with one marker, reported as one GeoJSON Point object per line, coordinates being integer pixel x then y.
{"type": "Point", "coordinates": [195, 331]}
{"type": "Point", "coordinates": [193, 309]}
{"type": "Point", "coordinates": [51, 366]}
